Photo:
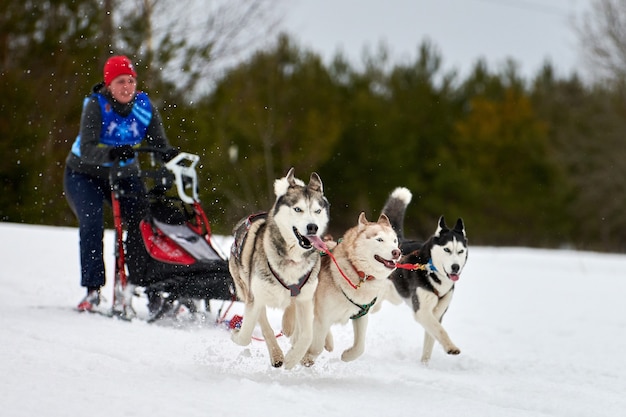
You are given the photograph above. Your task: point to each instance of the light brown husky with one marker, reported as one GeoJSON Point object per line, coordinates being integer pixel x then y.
{"type": "Point", "coordinates": [351, 279]}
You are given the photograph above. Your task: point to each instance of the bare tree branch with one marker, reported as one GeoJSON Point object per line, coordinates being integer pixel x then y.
{"type": "Point", "coordinates": [602, 34]}
{"type": "Point", "coordinates": [196, 40]}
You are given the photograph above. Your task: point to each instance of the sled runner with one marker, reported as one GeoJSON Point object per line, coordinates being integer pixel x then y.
{"type": "Point", "coordinates": [174, 262]}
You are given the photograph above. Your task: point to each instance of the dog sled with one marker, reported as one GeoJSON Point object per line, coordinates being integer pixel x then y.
{"type": "Point", "coordinates": [177, 265]}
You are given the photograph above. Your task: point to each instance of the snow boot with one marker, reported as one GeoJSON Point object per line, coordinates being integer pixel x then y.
{"type": "Point", "coordinates": [91, 300]}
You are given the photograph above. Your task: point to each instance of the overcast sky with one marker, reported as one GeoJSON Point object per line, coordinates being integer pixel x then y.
{"type": "Point", "coordinates": [529, 31]}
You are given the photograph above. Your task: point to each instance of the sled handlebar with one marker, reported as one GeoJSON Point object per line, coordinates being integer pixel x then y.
{"type": "Point", "coordinates": [182, 166]}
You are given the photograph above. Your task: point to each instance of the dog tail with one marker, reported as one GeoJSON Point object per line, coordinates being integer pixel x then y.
{"type": "Point", "coordinates": [395, 208]}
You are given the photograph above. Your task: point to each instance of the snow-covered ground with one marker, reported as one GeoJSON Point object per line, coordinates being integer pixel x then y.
{"type": "Point", "coordinates": [541, 334]}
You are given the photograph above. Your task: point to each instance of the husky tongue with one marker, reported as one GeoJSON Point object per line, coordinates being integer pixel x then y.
{"type": "Point", "coordinates": [389, 264]}
{"type": "Point", "coordinates": [454, 277]}
{"type": "Point", "coordinates": [317, 243]}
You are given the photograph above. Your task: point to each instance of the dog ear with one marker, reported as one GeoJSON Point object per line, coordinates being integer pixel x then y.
{"type": "Point", "coordinates": [282, 184]}
{"type": "Point", "coordinates": [459, 226]}
{"type": "Point", "coordinates": [362, 220]}
{"type": "Point", "coordinates": [290, 177]}
{"type": "Point", "coordinates": [441, 227]}
{"type": "Point", "coordinates": [384, 220]}
{"type": "Point", "coordinates": [315, 183]}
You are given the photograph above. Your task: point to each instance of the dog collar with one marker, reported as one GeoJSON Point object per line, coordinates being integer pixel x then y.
{"type": "Point", "coordinates": [431, 266]}
{"type": "Point", "coordinates": [362, 275]}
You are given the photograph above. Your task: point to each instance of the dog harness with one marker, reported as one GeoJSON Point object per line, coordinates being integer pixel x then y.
{"type": "Point", "coordinates": [294, 288]}
{"type": "Point", "coordinates": [241, 233]}
{"type": "Point", "coordinates": [364, 308]}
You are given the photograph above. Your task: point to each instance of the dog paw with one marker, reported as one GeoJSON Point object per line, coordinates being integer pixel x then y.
{"type": "Point", "coordinates": [329, 343]}
{"type": "Point", "coordinates": [453, 351]}
{"type": "Point", "coordinates": [307, 361]}
{"type": "Point", "coordinates": [238, 339]}
{"type": "Point", "coordinates": [290, 363]}
{"type": "Point", "coordinates": [277, 358]}
{"type": "Point", "coordinates": [292, 359]}
{"type": "Point", "coordinates": [351, 354]}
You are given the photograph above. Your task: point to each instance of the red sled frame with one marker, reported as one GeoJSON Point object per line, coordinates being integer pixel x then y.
{"type": "Point", "coordinates": [159, 245]}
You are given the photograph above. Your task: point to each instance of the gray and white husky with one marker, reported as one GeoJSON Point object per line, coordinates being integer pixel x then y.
{"type": "Point", "coordinates": [351, 279]}
{"type": "Point", "coordinates": [273, 263]}
{"type": "Point", "coordinates": [437, 266]}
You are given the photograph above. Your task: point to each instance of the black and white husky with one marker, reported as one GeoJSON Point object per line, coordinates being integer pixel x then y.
{"type": "Point", "coordinates": [273, 262]}
{"type": "Point", "coordinates": [436, 264]}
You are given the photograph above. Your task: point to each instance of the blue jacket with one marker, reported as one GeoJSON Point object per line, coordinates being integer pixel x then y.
{"type": "Point", "coordinates": [120, 130]}
{"type": "Point", "coordinates": [106, 123]}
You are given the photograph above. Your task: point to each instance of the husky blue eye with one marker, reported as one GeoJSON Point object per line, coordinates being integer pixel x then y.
{"type": "Point", "coordinates": [297, 209]}
{"type": "Point", "coordinates": [318, 211]}
{"type": "Point", "coordinates": [447, 250]}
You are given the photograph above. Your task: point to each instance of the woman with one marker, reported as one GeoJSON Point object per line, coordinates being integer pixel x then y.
{"type": "Point", "coordinates": [115, 118]}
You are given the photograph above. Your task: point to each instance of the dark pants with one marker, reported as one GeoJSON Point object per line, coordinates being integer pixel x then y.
{"type": "Point", "coordinates": [86, 196]}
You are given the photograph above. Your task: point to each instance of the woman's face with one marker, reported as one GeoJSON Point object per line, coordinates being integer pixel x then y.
{"type": "Point", "coordinates": [123, 88]}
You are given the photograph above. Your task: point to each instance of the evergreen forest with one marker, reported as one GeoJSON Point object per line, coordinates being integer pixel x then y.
{"type": "Point", "coordinates": [537, 162]}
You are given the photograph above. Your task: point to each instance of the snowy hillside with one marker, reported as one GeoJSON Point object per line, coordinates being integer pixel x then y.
{"type": "Point", "coordinates": [541, 334]}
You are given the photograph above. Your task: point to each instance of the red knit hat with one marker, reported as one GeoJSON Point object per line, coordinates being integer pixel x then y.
{"type": "Point", "coordinates": [116, 66]}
